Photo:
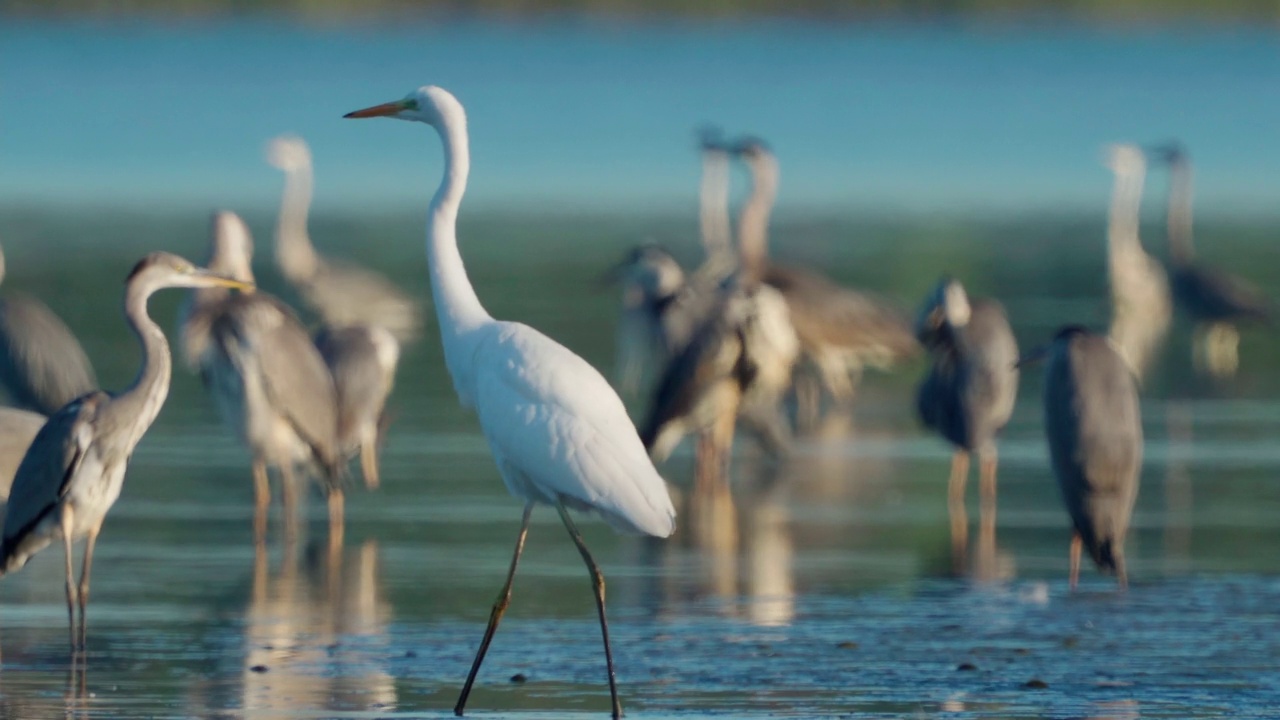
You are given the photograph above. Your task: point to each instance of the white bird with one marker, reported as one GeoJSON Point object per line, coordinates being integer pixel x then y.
{"type": "Point", "coordinates": [74, 470]}
{"type": "Point", "coordinates": [557, 430]}
{"type": "Point", "coordinates": [1142, 307]}
{"type": "Point", "coordinates": [342, 293]}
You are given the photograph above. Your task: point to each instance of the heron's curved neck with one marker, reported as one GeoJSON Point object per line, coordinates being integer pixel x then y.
{"type": "Point", "coordinates": [1179, 219]}
{"type": "Point", "coordinates": [1126, 205]}
{"type": "Point", "coordinates": [457, 307]}
{"type": "Point", "coordinates": [294, 252]}
{"type": "Point", "coordinates": [138, 406]}
{"type": "Point", "coordinates": [714, 197]}
{"type": "Point", "coordinates": [753, 221]}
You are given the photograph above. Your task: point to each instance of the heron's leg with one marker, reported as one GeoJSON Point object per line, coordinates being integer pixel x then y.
{"type": "Point", "coordinates": [1122, 577]}
{"type": "Point", "coordinates": [989, 461]}
{"type": "Point", "coordinates": [337, 519]}
{"type": "Point", "coordinates": [68, 523]}
{"type": "Point", "coordinates": [955, 505]}
{"type": "Point", "coordinates": [495, 615]}
{"type": "Point", "coordinates": [369, 457]}
{"type": "Point", "coordinates": [597, 581]}
{"type": "Point", "coordinates": [261, 500]}
{"type": "Point", "coordinates": [1076, 545]}
{"type": "Point", "coordinates": [289, 495]}
{"type": "Point", "coordinates": [87, 566]}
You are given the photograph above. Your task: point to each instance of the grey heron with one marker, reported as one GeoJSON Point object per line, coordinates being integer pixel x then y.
{"type": "Point", "coordinates": [362, 360]}
{"type": "Point", "coordinates": [841, 330]}
{"type": "Point", "coordinates": [268, 380]}
{"type": "Point", "coordinates": [1094, 427]}
{"type": "Point", "coordinates": [661, 304]}
{"type": "Point", "coordinates": [42, 364]}
{"type": "Point", "coordinates": [1215, 300]}
{"type": "Point", "coordinates": [969, 392]}
{"type": "Point", "coordinates": [74, 470]}
{"type": "Point", "coordinates": [558, 432]}
{"type": "Point", "coordinates": [1141, 305]}
{"type": "Point", "coordinates": [341, 293]}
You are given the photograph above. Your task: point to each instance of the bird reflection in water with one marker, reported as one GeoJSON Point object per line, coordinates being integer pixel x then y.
{"type": "Point", "coordinates": [315, 632]}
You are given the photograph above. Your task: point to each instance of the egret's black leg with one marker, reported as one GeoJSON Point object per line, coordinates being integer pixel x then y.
{"type": "Point", "coordinates": [597, 582]}
{"type": "Point", "coordinates": [495, 616]}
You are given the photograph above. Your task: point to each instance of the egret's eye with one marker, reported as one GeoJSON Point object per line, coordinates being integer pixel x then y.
{"type": "Point", "coordinates": [409, 104]}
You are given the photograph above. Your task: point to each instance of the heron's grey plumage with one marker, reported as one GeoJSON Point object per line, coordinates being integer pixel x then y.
{"type": "Point", "coordinates": [17, 429]}
{"type": "Point", "coordinates": [341, 293]}
{"type": "Point", "coordinates": [362, 361]}
{"type": "Point", "coordinates": [969, 391]}
{"type": "Point", "coordinates": [1094, 426]}
{"type": "Point", "coordinates": [267, 378]}
{"type": "Point", "coordinates": [73, 472]}
{"type": "Point", "coordinates": [42, 364]}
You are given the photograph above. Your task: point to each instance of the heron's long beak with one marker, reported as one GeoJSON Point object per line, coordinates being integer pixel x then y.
{"type": "Point", "coordinates": [212, 279]}
{"type": "Point", "coordinates": [1033, 356]}
{"type": "Point", "coordinates": [383, 110]}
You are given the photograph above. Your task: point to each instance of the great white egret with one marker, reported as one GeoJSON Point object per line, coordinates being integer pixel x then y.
{"type": "Point", "coordinates": [557, 430]}
{"type": "Point", "coordinates": [74, 470]}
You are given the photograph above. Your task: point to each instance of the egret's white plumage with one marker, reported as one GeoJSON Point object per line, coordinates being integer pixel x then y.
{"type": "Point", "coordinates": [557, 430]}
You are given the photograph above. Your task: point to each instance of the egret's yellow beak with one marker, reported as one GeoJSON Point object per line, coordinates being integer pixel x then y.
{"type": "Point", "coordinates": [383, 110]}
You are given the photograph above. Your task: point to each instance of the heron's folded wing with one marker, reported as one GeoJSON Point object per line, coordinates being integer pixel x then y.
{"type": "Point", "coordinates": [49, 466]}
{"type": "Point", "coordinates": [298, 382]}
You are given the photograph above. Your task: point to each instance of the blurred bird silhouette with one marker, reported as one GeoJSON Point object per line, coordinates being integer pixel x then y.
{"type": "Point", "coordinates": [268, 381]}
{"type": "Point", "coordinates": [969, 392]}
{"type": "Point", "coordinates": [42, 365]}
{"type": "Point", "coordinates": [1214, 300]}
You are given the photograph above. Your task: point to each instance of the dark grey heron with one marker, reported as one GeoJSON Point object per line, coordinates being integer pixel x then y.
{"type": "Point", "coordinates": [841, 330]}
{"type": "Point", "coordinates": [362, 360]}
{"type": "Point", "coordinates": [269, 382]}
{"type": "Point", "coordinates": [75, 468]}
{"type": "Point", "coordinates": [342, 293]}
{"type": "Point", "coordinates": [969, 392]}
{"type": "Point", "coordinates": [42, 364]}
{"type": "Point", "coordinates": [1141, 305]}
{"type": "Point", "coordinates": [1094, 426]}
{"type": "Point", "coordinates": [558, 432]}
{"type": "Point", "coordinates": [1215, 300]}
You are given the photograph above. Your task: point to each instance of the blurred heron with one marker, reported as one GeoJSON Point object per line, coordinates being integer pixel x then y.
{"type": "Point", "coordinates": [661, 304]}
{"type": "Point", "coordinates": [969, 392]}
{"type": "Point", "coordinates": [1212, 299]}
{"type": "Point", "coordinates": [1094, 426]}
{"type": "Point", "coordinates": [1141, 305]}
{"type": "Point", "coordinates": [41, 363]}
{"type": "Point", "coordinates": [17, 429]}
{"type": "Point", "coordinates": [362, 361]}
{"type": "Point", "coordinates": [74, 470]}
{"type": "Point", "coordinates": [268, 380]}
{"type": "Point", "coordinates": [841, 330]}
{"type": "Point", "coordinates": [342, 293]}
{"type": "Point", "coordinates": [558, 432]}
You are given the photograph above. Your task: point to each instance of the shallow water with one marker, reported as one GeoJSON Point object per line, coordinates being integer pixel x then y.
{"type": "Point", "coordinates": [827, 586]}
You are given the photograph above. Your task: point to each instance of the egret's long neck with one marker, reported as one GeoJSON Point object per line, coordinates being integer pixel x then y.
{"type": "Point", "coordinates": [294, 252]}
{"type": "Point", "coordinates": [457, 307]}
{"type": "Point", "coordinates": [714, 196]}
{"type": "Point", "coordinates": [1179, 219]}
{"type": "Point", "coordinates": [137, 407]}
{"type": "Point", "coordinates": [753, 222]}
